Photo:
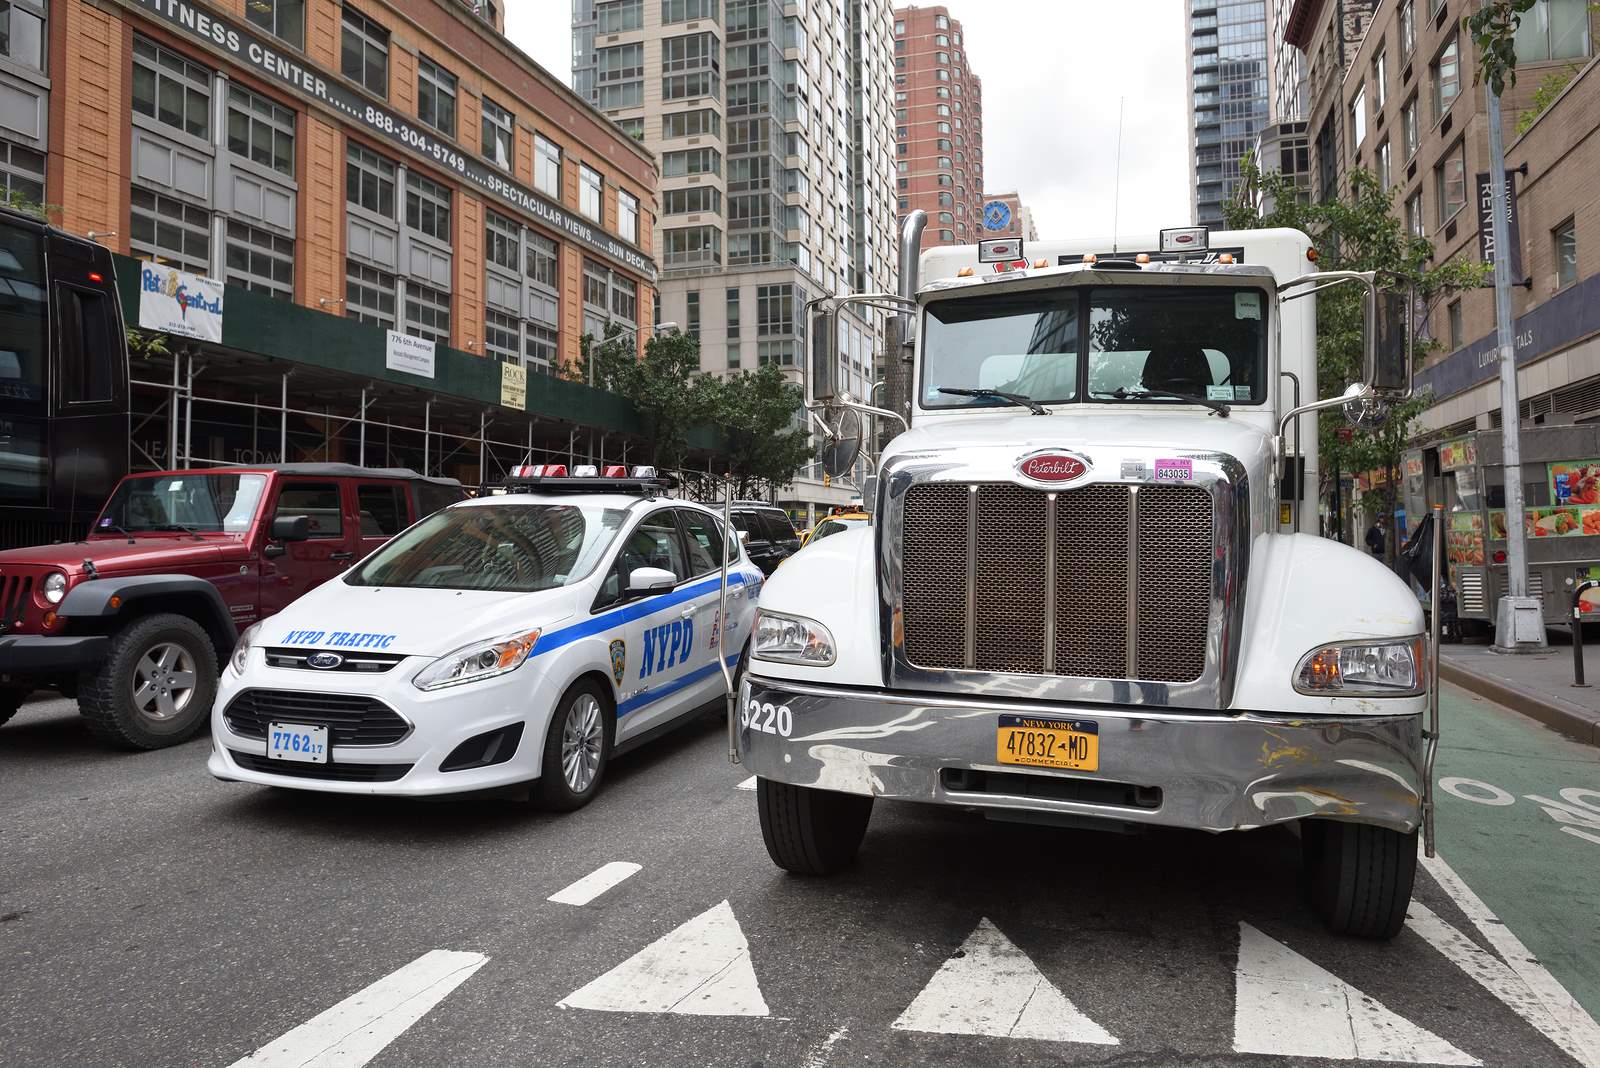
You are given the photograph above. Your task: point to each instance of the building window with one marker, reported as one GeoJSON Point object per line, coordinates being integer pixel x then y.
{"type": "Point", "coordinates": [733, 324]}
{"type": "Point", "coordinates": [501, 241]}
{"type": "Point", "coordinates": [945, 200]}
{"type": "Point", "coordinates": [1450, 183]}
{"type": "Point", "coordinates": [1566, 247]}
{"type": "Point", "coordinates": [170, 89]}
{"type": "Point", "coordinates": [260, 260]}
{"type": "Point", "coordinates": [546, 167]}
{"type": "Point", "coordinates": [427, 312]}
{"type": "Point", "coordinates": [899, 28]}
{"type": "Point", "coordinates": [21, 174]}
{"type": "Point", "coordinates": [261, 130]}
{"type": "Point", "coordinates": [1408, 28]}
{"type": "Point", "coordinates": [1453, 318]}
{"type": "Point", "coordinates": [543, 261]}
{"type": "Point", "coordinates": [692, 246]}
{"type": "Point", "coordinates": [694, 199]}
{"type": "Point", "coordinates": [541, 332]}
{"type": "Point", "coordinates": [369, 294]}
{"type": "Point", "coordinates": [281, 18]}
{"type": "Point", "coordinates": [691, 313]}
{"type": "Point", "coordinates": [1553, 29]}
{"type": "Point", "coordinates": [702, 122]}
{"type": "Point", "coordinates": [1409, 132]}
{"type": "Point", "coordinates": [1380, 82]}
{"type": "Point", "coordinates": [436, 96]}
{"type": "Point", "coordinates": [501, 337]}
{"type": "Point", "coordinates": [946, 236]}
{"type": "Point", "coordinates": [940, 22]}
{"type": "Point", "coordinates": [620, 15]}
{"type": "Point", "coordinates": [364, 52]}
{"type": "Point", "coordinates": [687, 10]}
{"type": "Point", "coordinates": [774, 310]}
{"type": "Point", "coordinates": [947, 218]}
{"type": "Point", "coordinates": [694, 161]}
{"type": "Point", "coordinates": [591, 192]}
{"type": "Point", "coordinates": [499, 136]}
{"type": "Point", "coordinates": [1385, 175]}
{"type": "Point", "coordinates": [171, 231]}
{"type": "Point", "coordinates": [628, 217]}
{"type": "Point", "coordinates": [1414, 215]}
{"type": "Point", "coordinates": [1358, 118]}
{"type": "Point", "coordinates": [1445, 75]}
{"type": "Point", "coordinates": [369, 180]}
{"type": "Point", "coordinates": [427, 207]}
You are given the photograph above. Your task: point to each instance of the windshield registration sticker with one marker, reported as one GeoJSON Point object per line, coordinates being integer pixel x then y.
{"type": "Point", "coordinates": [1174, 470]}
{"type": "Point", "coordinates": [1222, 393]}
{"type": "Point", "coordinates": [1247, 305]}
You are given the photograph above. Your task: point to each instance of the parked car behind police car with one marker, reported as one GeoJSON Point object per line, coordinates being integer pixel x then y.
{"type": "Point", "coordinates": [514, 639]}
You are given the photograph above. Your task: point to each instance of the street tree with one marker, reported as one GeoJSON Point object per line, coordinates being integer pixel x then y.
{"type": "Point", "coordinates": [1357, 232]}
{"type": "Point", "coordinates": [665, 386]}
{"type": "Point", "coordinates": [1494, 29]}
{"type": "Point", "coordinates": [766, 446]}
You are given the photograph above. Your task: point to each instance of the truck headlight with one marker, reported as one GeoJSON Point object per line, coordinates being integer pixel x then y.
{"type": "Point", "coordinates": [1362, 669]}
{"type": "Point", "coordinates": [481, 660]}
{"type": "Point", "coordinates": [241, 649]}
{"type": "Point", "coordinates": [792, 640]}
{"type": "Point", "coordinates": [55, 587]}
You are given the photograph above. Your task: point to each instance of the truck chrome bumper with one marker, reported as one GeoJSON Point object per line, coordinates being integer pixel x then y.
{"type": "Point", "coordinates": [1204, 772]}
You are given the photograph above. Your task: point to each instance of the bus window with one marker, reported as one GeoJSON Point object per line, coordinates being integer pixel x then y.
{"type": "Point", "coordinates": [22, 319]}
{"type": "Point", "coordinates": [88, 348]}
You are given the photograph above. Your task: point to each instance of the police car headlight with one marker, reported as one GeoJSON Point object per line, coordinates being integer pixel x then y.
{"type": "Point", "coordinates": [482, 660]}
{"type": "Point", "coordinates": [55, 587]}
{"type": "Point", "coordinates": [792, 640]}
{"type": "Point", "coordinates": [1362, 669]}
{"type": "Point", "coordinates": [241, 650]}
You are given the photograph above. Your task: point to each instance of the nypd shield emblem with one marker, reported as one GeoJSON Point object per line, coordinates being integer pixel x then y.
{"type": "Point", "coordinates": [619, 660]}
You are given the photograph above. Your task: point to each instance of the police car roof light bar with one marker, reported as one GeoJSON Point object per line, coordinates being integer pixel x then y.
{"type": "Point", "coordinates": [653, 486]}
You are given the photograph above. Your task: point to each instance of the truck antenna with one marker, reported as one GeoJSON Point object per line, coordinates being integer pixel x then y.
{"type": "Point", "coordinates": [1116, 195]}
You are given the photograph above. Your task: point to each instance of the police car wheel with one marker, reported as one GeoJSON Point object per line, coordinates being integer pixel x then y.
{"type": "Point", "coordinates": [809, 831]}
{"type": "Point", "coordinates": [155, 687]}
{"type": "Point", "coordinates": [1359, 877]}
{"type": "Point", "coordinates": [576, 749]}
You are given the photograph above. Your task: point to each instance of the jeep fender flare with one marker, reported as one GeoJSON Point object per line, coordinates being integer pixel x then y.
{"type": "Point", "coordinates": [92, 600]}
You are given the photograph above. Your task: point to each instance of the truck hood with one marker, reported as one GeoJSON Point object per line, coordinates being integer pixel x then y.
{"type": "Point", "coordinates": [1183, 432]}
{"type": "Point", "coordinates": [411, 622]}
{"type": "Point", "coordinates": [116, 556]}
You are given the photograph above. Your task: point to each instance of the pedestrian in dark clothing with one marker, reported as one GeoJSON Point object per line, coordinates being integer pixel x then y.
{"type": "Point", "coordinates": [1375, 537]}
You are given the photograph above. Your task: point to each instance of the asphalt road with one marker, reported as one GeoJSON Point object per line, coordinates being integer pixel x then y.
{"type": "Point", "coordinates": [151, 916]}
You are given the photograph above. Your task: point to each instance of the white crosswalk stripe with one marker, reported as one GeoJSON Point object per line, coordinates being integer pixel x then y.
{"type": "Point", "coordinates": [701, 968]}
{"type": "Point", "coordinates": [990, 987]}
{"type": "Point", "coordinates": [358, 1028]}
{"type": "Point", "coordinates": [595, 883]}
{"type": "Point", "coordinates": [1286, 1005]}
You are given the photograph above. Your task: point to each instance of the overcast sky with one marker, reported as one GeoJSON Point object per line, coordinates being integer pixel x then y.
{"type": "Point", "coordinates": [1052, 72]}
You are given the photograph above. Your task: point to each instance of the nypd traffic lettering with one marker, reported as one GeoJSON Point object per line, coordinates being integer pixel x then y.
{"type": "Point", "coordinates": [666, 645]}
{"type": "Point", "coordinates": [341, 639]}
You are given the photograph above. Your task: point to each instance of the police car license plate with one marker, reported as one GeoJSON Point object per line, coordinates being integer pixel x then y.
{"type": "Point", "coordinates": [296, 741]}
{"type": "Point", "coordinates": [1070, 744]}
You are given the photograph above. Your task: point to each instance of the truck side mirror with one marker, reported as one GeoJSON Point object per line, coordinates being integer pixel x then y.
{"type": "Point", "coordinates": [291, 527]}
{"type": "Point", "coordinates": [1388, 344]}
{"type": "Point", "coordinates": [821, 386]}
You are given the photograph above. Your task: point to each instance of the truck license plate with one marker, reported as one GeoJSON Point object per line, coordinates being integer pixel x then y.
{"type": "Point", "coordinates": [296, 741]}
{"type": "Point", "coordinates": [1070, 744]}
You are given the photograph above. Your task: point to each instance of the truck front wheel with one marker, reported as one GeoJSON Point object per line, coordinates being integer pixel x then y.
{"type": "Point", "coordinates": [10, 702]}
{"type": "Point", "coordinates": [155, 687]}
{"type": "Point", "coordinates": [810, 831]}
{"type": "Point", "coordinates": [1359, 876]}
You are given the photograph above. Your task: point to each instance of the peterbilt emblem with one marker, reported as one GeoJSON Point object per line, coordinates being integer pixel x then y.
{"type": "Point", "coordinates": [1052, 467]}
{"type": "Point", "coordinates": [324, 661]}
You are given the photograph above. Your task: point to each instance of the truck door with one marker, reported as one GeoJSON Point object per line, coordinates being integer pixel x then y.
{"type": "Point", "coordinates": [381, 513]}
{"type": "Point", "coordinates": [291, 568]}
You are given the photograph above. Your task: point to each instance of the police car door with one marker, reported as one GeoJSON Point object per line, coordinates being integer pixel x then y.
{"type": "Point", "coordinates": [703, 542]}
{"type": "Point", "coordinates": [661, 631]}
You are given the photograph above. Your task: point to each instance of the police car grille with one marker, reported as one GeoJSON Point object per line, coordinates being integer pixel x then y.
{"type": "Point", "coordinates": [998, 578]}
{"type": "Point", "coordinates": [364, 662]}
{"type": "Point", "coordinates": [335, 772]}
{"type": "Point", "coordinates": [351, 719]}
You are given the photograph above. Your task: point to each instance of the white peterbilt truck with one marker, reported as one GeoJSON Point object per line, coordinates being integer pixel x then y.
{"type": "Point", "coordinates": [1085, 596]}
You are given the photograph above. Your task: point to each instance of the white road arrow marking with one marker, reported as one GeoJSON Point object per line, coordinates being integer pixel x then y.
{"type": "Point", "coordinates": [990, 987]}
{"type": "Point", "coordinates": [1574, 1030]}
{"type": "Point", "coordinates": [748, 784]}
{"type": "Point", "coordinates": [1286, 1005]}
{"type": "Point", "coordinates": [358, 1028]}
{"type": "Point", "coordinates": [595, 883]}
{"type": "Point", "coordinates": [701, 968]}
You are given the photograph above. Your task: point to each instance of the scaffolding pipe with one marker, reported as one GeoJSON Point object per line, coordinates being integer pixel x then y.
{"type": "Point", "coordinates": [283, 421]}
{"type": "Point", "coordinates": [188, 411]}
{"type": "Point", "coordinates": [361, 454]}
{"type": "Point", "coordinates": [172, 418]}
{"type": "Point", "coordinates": [427, 431]}
{"type": "Point", "coordinates": [483, 426]}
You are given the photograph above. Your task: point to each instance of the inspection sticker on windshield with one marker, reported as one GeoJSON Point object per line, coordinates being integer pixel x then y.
{"type": "Point", "coordinates": [1223, 393]}
{"type": "Point", "coordinates": [1174, 470]}
{"type": "Point", "coordinates": [1247, 305]}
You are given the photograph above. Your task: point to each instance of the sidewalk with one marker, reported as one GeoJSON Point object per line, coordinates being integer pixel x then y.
{"type": "Point", "coordinates": [1538, 685]}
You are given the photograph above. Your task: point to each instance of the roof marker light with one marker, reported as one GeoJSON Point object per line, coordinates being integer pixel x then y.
{"type": "Point", "coordinates": [1090, 257]}
{"type": "Point", "coordinates": [1311, 254]}
{"type": "Point", "coordinates": [965, 272]}
{"type": "Point", "coordinates": [1041, 263]}
{"type": "Point", "coordinates": [1143, 257]}
{"type": "Point", "coordinates": [1225, 258]}
{"type": "Point", "coordinates": [96, 277]}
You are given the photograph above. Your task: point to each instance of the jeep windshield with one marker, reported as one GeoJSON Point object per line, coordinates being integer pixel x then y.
{"type": "Point", "coordinates": [1134, 344]}
{"type": "Point", "coordinates": [509, 548]}
{"type": "Point", "coordinates": [186, 503]}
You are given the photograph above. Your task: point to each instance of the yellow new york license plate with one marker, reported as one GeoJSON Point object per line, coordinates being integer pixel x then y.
{"type": "Point", "coordinates": [1070, 744]}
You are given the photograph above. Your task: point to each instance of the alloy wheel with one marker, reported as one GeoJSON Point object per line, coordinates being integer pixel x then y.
{"type": "Point", "coordinates": [582, 738]}
{"type": "Point", "coordinates": [163, 681]}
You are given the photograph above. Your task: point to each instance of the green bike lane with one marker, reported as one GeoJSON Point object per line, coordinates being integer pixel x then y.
{"type": "Point", "coordinates": [1518, 818]}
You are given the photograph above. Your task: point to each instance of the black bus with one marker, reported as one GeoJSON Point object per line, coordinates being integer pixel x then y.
{"type": "Point", "coordinates": [63, 381]}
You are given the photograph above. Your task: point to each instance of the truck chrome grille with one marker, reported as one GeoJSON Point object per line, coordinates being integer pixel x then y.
{"type": "Point", "coordinates": [1107, 581]}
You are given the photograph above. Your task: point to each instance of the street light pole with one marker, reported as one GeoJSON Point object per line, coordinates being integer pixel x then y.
{"type": "Point", "coordinates": [1516, 606]}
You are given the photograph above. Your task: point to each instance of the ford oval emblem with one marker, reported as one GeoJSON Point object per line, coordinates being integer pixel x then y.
{"type": "Point", "coordinates": [324, 661]}
{"type": "Point", "coordinates": [1052, 467]}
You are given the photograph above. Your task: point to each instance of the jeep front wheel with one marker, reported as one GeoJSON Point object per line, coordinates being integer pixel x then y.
{"type": "Point", "coordinates": [155, 687]}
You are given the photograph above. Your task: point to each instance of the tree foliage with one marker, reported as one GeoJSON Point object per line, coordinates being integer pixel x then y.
{"type": "Point", "coordinates": [766, 446]}
{"type": "Point", "coordinates": [1359, 232]}
{"type": "Point", "coordinates": [1494, 28]}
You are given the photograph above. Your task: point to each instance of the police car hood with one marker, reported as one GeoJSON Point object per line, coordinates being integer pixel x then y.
{"type": "Point", "coordinates": [409, 621]}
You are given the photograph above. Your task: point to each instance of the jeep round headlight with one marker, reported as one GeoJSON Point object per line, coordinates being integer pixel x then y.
{"type": "Point", "coordinates": [55, 587]}
{"type": "Point", "coordinates": [792, 640]}
{"type": "Point", "coordinates": [1362, 669]}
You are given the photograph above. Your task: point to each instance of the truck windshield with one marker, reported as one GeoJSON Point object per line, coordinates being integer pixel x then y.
{"type": "Point", "coordinates": [186, 502]}
{"type": "Point", "coordinates": [1098, 344]}
{"type": "Point", "coordinates": [511, 548]}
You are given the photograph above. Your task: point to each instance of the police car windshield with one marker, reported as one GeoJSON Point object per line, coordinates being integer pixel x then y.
{"type": "Point", "coordinates": [509, 548]}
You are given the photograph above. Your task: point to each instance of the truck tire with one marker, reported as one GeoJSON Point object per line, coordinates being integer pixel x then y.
{"type": "Point", "coordinates": [10, 701]}
{"type": "Point", "coordinates": [1359, 876]}
{"type": "Point", "coordinates": [810, 831]}
{"type": "Point", "coordinates": [156, 686]}
{"type": "Point", "coordinates": [577, 748]}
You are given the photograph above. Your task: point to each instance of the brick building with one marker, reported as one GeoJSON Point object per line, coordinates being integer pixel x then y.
{"type": "Point", "coordinates": [938, 125]}
{"type": "Point", "coordinates": [1327, 36]}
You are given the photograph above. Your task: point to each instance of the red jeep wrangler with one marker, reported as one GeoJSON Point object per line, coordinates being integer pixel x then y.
{"type": "Point", "coordinates": [135, 620]}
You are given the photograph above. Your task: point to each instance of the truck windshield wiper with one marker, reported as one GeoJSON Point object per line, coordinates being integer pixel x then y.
{"type": "Point", "coordinates": [994, 394]}
{"type": "Point", "coordinates": [1122, 393]}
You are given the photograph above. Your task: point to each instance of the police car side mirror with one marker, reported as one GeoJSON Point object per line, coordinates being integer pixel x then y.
{"type": "Point", "coordinates": [643, 581]}
{"type": "Point", "coordinates": [291, 527]}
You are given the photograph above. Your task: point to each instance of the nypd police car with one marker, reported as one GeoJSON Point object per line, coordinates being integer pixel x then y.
{"type": "Point", "coordinates": [514, 639]}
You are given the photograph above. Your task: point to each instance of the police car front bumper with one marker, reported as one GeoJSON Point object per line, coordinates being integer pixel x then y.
{"type": "Point", "coordinates": [1204, 772]}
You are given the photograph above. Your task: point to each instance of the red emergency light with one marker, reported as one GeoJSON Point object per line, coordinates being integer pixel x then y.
{"type": "Point", "coordinates": [616, 471]}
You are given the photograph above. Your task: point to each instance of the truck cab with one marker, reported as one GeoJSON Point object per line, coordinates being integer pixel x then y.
{"type": "Point", "coordinates": [1083, 598]}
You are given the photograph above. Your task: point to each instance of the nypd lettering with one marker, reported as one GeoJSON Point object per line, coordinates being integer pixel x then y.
{"type": "Point", "coordinates": [339, 639]}
{"type": "Point", "coordinates": [666, 646]}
